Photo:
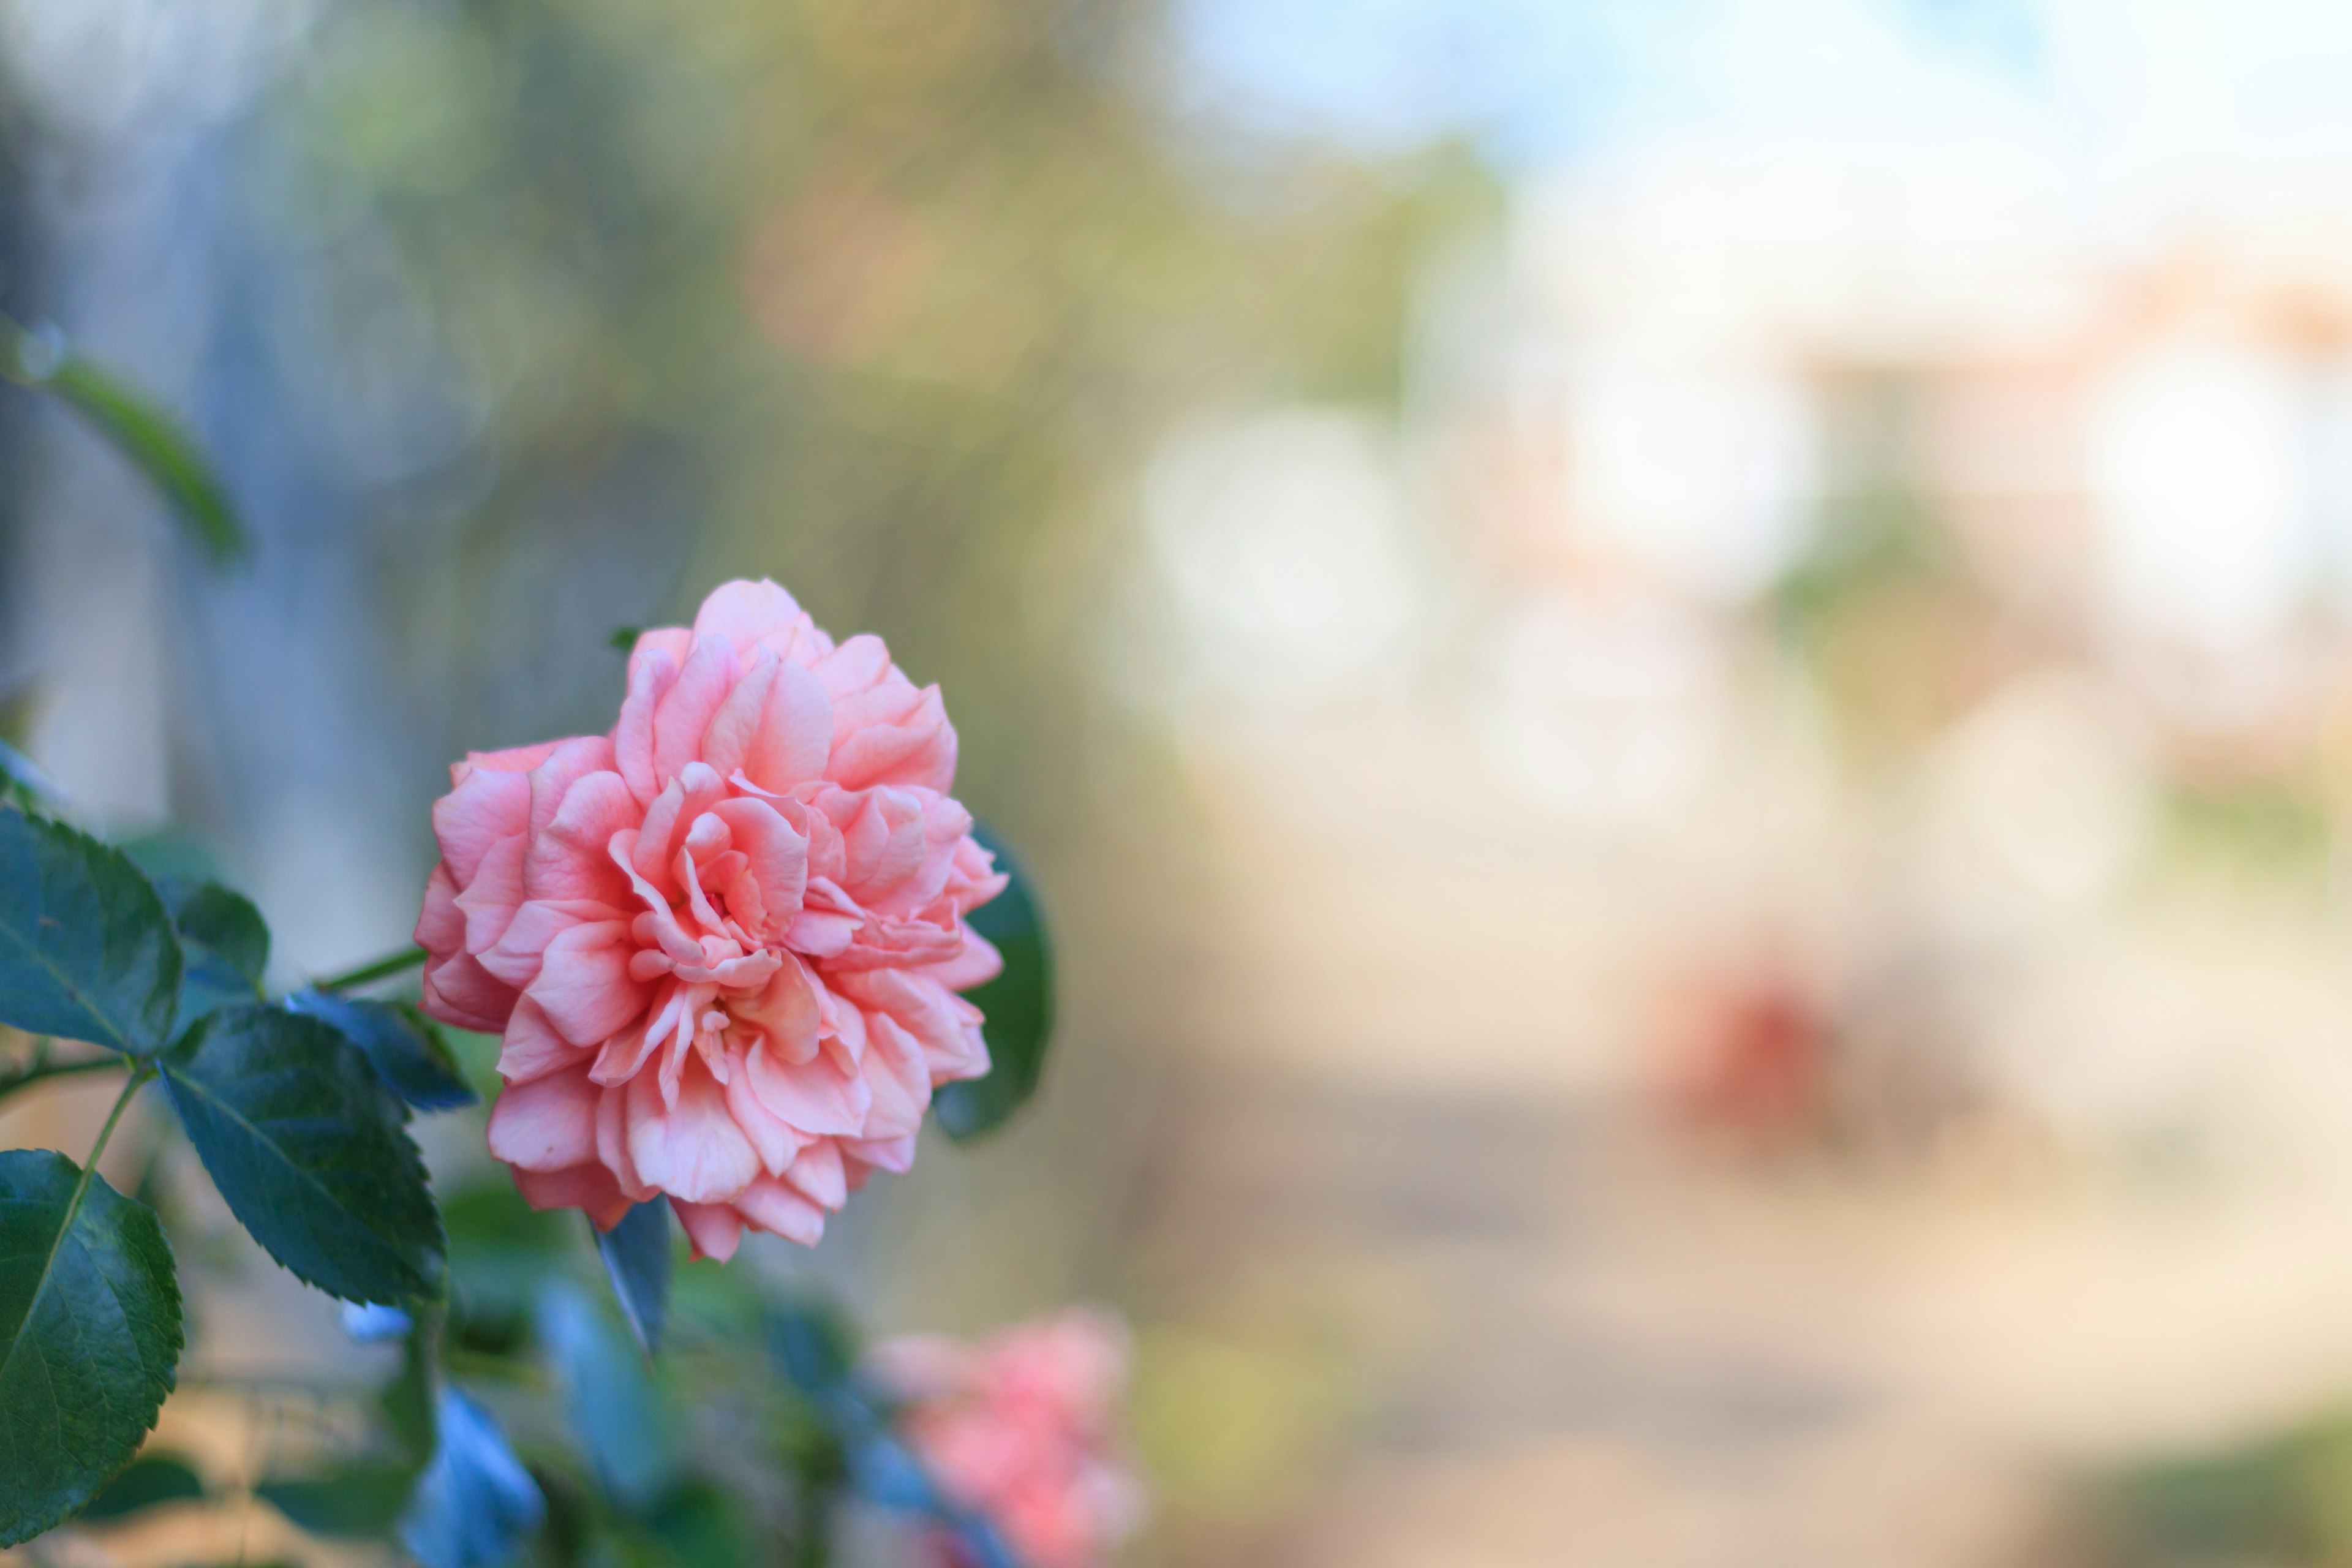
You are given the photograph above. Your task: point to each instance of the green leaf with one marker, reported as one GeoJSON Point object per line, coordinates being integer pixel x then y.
{"type": "Point", "coordinates": [636, 1253]}
{"type": "Point", "coordinates": [614, 1409]}
{"type": "Point", "coordinates": [309, 1151]}
{"type": "Point", "coordinates": [361, 1500]}
{"type": "Point", "coordinates": [399, 1041]}
{"type": "Point", "coordinates": [227, 922]}
{"type": "Point", "coordinates": [1018, 1006]}
{"type": "Point", "coordinates": [224, 945]}
{"type": "Point", "coordinates": [406, 1402]}
{"type": "Point", "coordinates": [475, 1504]}
{"type": "Point", "coordinates": [21, 778]}
{"type": "Point", "coordinates": [813, 1343]}
{"type": "Point", "coordinates": [137, 428]}
{"type": "Point", "coordinates": [86, 949]}
{"type": "Point", "coordinates": [151, 1479]}
{"type": "Point", "coordinates": [90, 1336]}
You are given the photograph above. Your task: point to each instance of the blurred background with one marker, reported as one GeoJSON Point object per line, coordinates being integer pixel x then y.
{"type": "Point", "coordinates": [1680, 672]}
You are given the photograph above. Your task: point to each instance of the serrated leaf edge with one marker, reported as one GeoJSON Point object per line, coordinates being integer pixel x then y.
{"type": "Point", "coordinates": [415, 1162]}
{"type": "Point", "coordinates": [170, 1378]}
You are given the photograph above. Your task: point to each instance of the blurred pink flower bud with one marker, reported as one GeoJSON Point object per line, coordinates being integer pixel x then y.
{"type": "Point", "coordinates": [1023, 1429]}
{"type": "Point", "coordinates": [724, 942]}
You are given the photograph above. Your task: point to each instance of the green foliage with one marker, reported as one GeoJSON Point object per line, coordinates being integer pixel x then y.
{"type": "Point", "coordinates": [360, 1500]}
{"type": "Point", "coordinates": [614, 1409]}
{"type": "Point", "coordinates": [90, 1336]}
{"type": "Point", "coordinates": [813, 1344]}
{"type": "Point", "coordinates": [636, 1253]}
{"type": "Point", "coordinates": [224, 946]}
{"type": "Point", "coordinates": [400, 1042]}
{"type": "Point", "coordinates": [1018, 1005]}
{"type": "Point", "coordinates": [142, 433]}
{"type": "Point", "coordinates": [151, 1479]}
{"type": "Point", "coordinates": [311, 1151]}
{"type": "Point", "coordinates": [87, 949]}
{"type": "Point", "coordinates": [22, 781]}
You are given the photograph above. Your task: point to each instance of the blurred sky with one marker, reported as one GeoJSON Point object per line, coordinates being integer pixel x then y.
{"type": "Point", "coordinates": [2164, 99]}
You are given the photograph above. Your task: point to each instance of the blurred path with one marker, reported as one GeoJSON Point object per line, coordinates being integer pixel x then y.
{"type": "Point", "coordinates": [1440, 1291]}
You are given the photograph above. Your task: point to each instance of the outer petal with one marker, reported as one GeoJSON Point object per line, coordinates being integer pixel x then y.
{"type": "Point", "coordinates": [674, 642]}
{"type": "Point", "coordinates": [899, 1077]}
{"type": "Point", "coordinates": [878, 742]}
{"type": "Point", "coordinates": [532, 1049]}
{"type": "Point", "coordinates": [652, 672]}
{"type": "Point", "coordinates": [895, 1155]}
{"type": "Point", "coordinates": [795, 732]}
{"type": "Point", "coordinates": [489, 900]}
{"type": "Point", "coordinates": [715, 1230]}
{"type": "Point", "coordinates": [566, 766]}
{"type": "Point", "coordinates": [441, 925]}
{"type": "Point", "coordinates": [485, 807]}
{"type": "Point", "coordinates": [687, 709]}
{"type": "Point", "coordinates": [774, 1207]}
{"type": "Point", "coordinates": [817, 1174]}
{"type": "Point", "coordinates": [589, 1187]}
{"type": "Point", "coordinates": [977, 963]}
{"type": "Point", "coordinates": [861, 662]}
{"type": "Point", "coordinates": [513, 760]}
{"type": "Point", "coordinates": [458, 991]}
{"type": "Point", "coordinates": [546, 1124]}
{"type": "Point", "coordinates": [925, 1010]}
{"type": "Point", "coordinates": [741, 613]}
{"type": "Point", "coordinates": [516, 957]}
{"type": "Point", "coordinates": [570, 859]}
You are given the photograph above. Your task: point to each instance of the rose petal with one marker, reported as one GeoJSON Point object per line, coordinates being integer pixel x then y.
{"type": "Point", "coordinates": [687, 709]}
{"type": "Point", "coordinates": [513, 760]}
{"type": "Point", "coordinates": [740, 613]}
{"type": "Point", "coordinates": [715, 1230]}
{"type": "Point", "coordinates": [693, 1150]}
{"type": "Point", "coordinates": [900, 1079]}
{"type": "Point", "coordinates": [652, 672]}
{"type": "Point", "coordinates": [818, 1174]}
{"type": "Point", "coordinates": [547, 1123]}
{"type": "Point", "coordinates": [489, 900]}
{"type": "Point", "coordinates": [569, 858]}
{"type": "Point", "coordinates": [776, 1142]}
{"type": "Point", "coordinates": [459, 991]}
{"type": "Point", "coordinates": [590, 1187]}
{"type": "Point", "coordinates": [441, 925]}
{"type": "Point", "coordinates": [520, 950]}
{"type": "Point", "coordinates": [776, 1208]}
{"type": "Point", "coordinates": [532, 1049]}
{"type": "Point", "coordinates": [566, 766]}
{"type": "Point", "coordinates": [916, 747]}
{"type": "Point", "coordinates": [777, 854]}
{"type": "Point", "coordinates": [583, 983]}
{"type": "Point", "coordinates": [487, 808]}
{"type": "Point", "coordinates": [815, 1097]}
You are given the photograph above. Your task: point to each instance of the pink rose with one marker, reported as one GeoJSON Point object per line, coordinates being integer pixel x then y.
{"type": "Point", "coordinates": [724, 942]}
{"type": "Point", "coordinates": [1021, 1429]}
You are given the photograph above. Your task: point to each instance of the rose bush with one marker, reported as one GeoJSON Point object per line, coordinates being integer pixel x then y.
{"type": "Point", "coordinates": [723, 944]}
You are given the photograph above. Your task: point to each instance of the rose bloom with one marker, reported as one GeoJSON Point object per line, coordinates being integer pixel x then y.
{"type": "Point", "coordinates": [724, 942]}
{"type": "Point", "coordinates": [1022, 1430]}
